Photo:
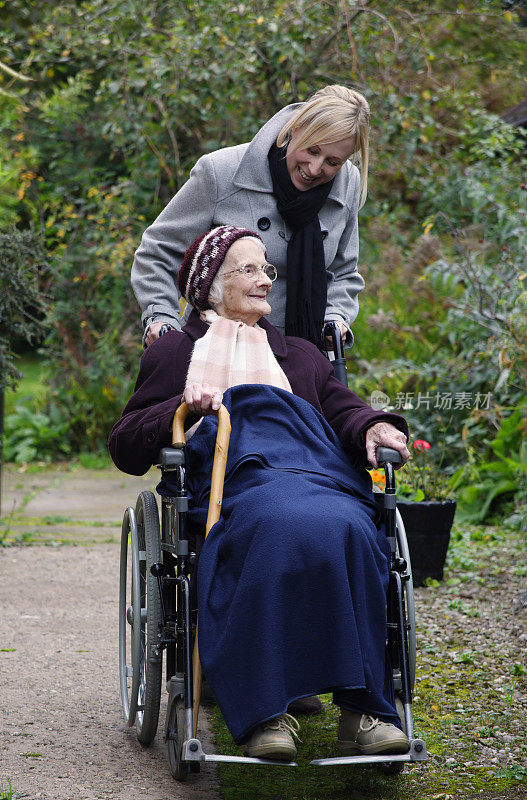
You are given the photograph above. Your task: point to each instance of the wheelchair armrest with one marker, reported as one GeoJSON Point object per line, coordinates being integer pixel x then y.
{"type": "Point", "coordinates": [386, 455]}
{"type": "Point", "coordinates": [170, 458]}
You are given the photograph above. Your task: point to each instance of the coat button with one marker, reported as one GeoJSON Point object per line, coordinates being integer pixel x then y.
{"type": "Point", "coordinates": [151, 437]}
{"type": "Point", "coordinates": [264, 223]}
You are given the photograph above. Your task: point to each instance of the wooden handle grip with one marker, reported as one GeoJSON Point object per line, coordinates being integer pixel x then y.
{"type": "Point", "coordinates": [178, 430]}
{"type": "Point", "coordinates": [178, 425]}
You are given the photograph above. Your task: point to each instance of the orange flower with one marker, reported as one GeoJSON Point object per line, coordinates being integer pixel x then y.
{"type": "Point", "coordinates": [378, 477]}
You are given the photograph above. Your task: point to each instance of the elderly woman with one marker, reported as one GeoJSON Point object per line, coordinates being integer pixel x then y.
{"type": "Point", "coordinates": [293, 183]}
{"type": "Point", "coordinates": [292, 580]}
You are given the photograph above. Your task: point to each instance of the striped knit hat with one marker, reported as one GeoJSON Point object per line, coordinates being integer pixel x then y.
{"type": "Point", "coordinates": [202, 261]}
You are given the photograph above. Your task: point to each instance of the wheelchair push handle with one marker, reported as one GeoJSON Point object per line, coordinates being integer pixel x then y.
{"type": "Point", "coordinates": [332, 331]}
{"type": "Point", "coordinates": [387, 455]}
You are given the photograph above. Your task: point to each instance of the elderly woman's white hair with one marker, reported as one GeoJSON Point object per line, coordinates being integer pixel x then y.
{"type": "Point", "coordinates": [216, 290]}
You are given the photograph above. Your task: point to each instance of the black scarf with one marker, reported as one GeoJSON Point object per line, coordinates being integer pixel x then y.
{"type": "Point", "coordinates": [306, 269]}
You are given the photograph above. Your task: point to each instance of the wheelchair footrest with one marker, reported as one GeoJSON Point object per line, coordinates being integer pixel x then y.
{"type": "Point", "coordinates": [247, 760]}
{"type": "Point", "coordinates": [417, 752]}
{"type": "Point", "coordinates": [193, 751]}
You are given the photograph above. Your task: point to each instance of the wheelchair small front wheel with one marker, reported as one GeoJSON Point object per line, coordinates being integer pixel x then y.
{"type": "Point", "coordinates": [175, 739]}
{"type": "Point", "coordinates": [390, 768]}
{"type": "Point", "coordinates": [150, 663]}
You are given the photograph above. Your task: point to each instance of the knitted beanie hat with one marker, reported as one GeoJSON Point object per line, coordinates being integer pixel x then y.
{"type": "Point", "coordinates": [202, 261]}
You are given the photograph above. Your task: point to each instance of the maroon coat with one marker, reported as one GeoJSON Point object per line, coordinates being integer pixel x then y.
{"type": "Point", "coordinates": [146, 422]}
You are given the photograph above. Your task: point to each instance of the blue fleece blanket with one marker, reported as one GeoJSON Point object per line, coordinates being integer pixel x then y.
{"type": "Point", "coordinates": [292, 579]}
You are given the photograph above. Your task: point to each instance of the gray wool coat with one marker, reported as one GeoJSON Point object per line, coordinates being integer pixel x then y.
{"type": "Point", "coordinates": [233, 186]}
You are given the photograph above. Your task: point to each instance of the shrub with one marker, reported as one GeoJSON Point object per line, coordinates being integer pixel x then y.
{"type": "Point", "coordinates": [94, 146]}
{"type": "Point", "coordinates": [22, 309]}
{"type": "Point", "coordinates": [32, 435]}
{"type": "Point", "coordinates": [501, 472]}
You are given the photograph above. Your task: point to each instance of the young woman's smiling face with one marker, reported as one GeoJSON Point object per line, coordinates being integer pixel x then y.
{"type": "Point", "coordinates": [316, 164]}
{"type": "Point", "coordinates": [243, 298]}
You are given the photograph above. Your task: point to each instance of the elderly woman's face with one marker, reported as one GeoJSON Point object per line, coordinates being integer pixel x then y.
{"type": "Point", "coordinates": [317, 164]}
{"type": "Point", "coordinates": [243, 298]}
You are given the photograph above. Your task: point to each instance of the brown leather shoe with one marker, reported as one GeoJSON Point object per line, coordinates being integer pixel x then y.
{"type": "Point", "coordinates": [306, 705]}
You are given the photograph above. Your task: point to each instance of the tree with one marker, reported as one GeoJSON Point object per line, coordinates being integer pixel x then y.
{"type": "Point", "coordinates": [22, 306]}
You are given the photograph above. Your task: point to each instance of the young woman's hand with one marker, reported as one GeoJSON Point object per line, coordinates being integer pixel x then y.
{"type": "Point", "coordinates": [343, 333]}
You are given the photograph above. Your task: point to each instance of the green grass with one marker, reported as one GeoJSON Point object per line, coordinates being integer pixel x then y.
{"type": "Point", "coordinates": [7, 795]}
{"type": "Point", "coordinates": [465, 697]}
{"type": "Point", "coordinates": [304, 782]}
{"type": "Point", "coordinates": [99, 460]}
{"type": "Point", "coordinates": [25, 531]}
{"type": "Point", "coordinates": [30, 384]}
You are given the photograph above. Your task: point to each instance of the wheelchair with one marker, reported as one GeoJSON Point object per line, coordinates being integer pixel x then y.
{"type": "Point", "coordinates": [158, 612]}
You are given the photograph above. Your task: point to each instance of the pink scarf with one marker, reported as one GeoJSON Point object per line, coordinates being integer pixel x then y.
{"type": "Point", "coordinates": [232, 353]}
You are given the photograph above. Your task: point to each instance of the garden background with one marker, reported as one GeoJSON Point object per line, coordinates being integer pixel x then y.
{"type": "Point", "coordinates": [104, 108]}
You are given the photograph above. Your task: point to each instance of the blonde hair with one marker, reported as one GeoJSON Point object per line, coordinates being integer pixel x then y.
{"type": "Point", "coordinates": [330, 115]}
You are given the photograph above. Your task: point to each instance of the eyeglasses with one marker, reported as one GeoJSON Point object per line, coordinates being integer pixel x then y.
{"type": "Point", "coordinates": [252, 272]}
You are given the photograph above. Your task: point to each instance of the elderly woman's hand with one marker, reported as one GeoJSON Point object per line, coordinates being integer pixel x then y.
{"type": "Point", "coordinates": [202, 398]}
{"type": "Point", "coordinates": [383, 434]}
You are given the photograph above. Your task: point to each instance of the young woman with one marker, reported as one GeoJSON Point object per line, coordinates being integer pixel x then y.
{"type": "Point", "coordinates": [295, 185]}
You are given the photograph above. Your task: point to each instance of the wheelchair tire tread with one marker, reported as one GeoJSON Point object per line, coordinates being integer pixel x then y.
{"type": "Point", "coordinates": [150, 540]}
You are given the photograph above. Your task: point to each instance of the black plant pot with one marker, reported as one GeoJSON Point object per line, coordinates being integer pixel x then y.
{"type": "Point", "coordinates": [427, 524]}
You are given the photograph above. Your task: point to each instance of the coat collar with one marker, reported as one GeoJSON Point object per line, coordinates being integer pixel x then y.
{"type": "Point", "coordinates": [259, 179]}
{"type": "Point", "coordinates": [195, 328]}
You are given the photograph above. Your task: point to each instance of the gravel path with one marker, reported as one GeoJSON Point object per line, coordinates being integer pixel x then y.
{"type": "Point", "coordinates": [62, 734]}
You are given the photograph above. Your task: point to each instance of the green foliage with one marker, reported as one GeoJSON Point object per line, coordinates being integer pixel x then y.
{"type": "Point", "coordinates": [7, 795]}
{"type": "Point", "coordinates": [93, 392]}
{"type": "Point", "coordinates": [422, 477]}
{"type": "Point", "coordinates": [22, 267]}
{"type": "Point", "coordinates": [123, 98]}
{"type": "Point", "coordinates": [503, 472]}
{"type": "Point", "coordinates": [455, 305]}
{"type": "Point", "coordinates": [34, 436]}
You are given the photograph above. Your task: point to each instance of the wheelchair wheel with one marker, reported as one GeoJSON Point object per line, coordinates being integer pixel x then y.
{"type": "Point", "coordinates": [129, 617]}
{"type": "Point", "coordinates": [175, 739]}
{"type": "Point", "coordinates": [391, 768]}
{"type": "Point", "coordinates": [150, 663]}
{"type": "Point", "coordinates": [409, 601]}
